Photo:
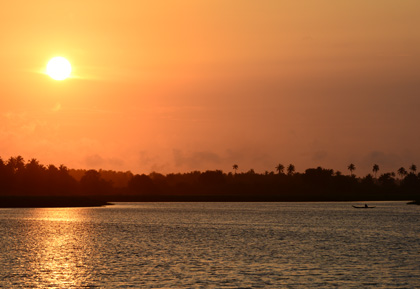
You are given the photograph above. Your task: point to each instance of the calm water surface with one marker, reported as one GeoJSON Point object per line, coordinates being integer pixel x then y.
{"type": "Point", "coordinates": [212, 245]}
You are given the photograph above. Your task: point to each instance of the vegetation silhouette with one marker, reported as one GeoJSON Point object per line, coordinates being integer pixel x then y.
{"type": "Point", "coordinates": [402, 172]}
{"type": "Point", "coordinates": [31, 183]}
{"type": "Point", "coordinates": [375, 169]}
{"type": "Point", "coordinates": [351, 168]}
{"type": "Point", "coordinates": [290, 169]}
{"type": "Point", "coordinates": [280, 168]}
{"type": "Point", "coordinates": [34, 185]}
{"type": "Point", "coordinates": [235, 168]}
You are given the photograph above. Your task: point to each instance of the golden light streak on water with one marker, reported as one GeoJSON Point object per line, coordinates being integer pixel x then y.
{"type": "Point", "coordinates": [59, 256]}
{"type": "Point", "coordinates": [211, 245]}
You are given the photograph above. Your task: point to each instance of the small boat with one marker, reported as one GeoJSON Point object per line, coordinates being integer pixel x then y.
{"type": "Point", "coordinates": [363, 207]}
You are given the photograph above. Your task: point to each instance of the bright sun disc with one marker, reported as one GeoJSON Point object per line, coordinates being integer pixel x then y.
{"type": "Point", "coordinates": [58, 68]}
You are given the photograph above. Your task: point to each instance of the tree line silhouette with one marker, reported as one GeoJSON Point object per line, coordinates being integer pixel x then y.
{"type": "Point", "coordinates": [20, 178]}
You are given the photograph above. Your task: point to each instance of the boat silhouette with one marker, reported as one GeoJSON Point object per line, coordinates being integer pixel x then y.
{"type": "Point", "coordinates": [363, 207]}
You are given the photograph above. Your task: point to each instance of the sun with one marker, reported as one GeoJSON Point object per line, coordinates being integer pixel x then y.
{"type": "Point", "coordinates": [58, 68]}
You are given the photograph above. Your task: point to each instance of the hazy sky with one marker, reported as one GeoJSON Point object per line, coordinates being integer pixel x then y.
{"type": "Point", "coordinates": [174, 86]}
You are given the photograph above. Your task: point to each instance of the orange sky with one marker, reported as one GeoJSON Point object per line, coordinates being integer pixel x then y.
{"type": "Point", "coordinates": [173, 86]}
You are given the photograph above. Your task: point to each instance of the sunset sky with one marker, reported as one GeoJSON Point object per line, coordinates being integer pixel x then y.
{"type": "Point", "coordinates": [176, 86]}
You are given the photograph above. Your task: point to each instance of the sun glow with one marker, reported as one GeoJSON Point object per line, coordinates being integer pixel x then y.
{"type": "Point", "coordinates": [59, 68]}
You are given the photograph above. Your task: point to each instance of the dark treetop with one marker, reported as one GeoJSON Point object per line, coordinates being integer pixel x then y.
{"type": "Point", "coordinates": [68, 187]}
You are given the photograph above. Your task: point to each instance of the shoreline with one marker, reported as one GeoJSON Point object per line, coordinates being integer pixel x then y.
{"type": "Point", "coordinates": [80, 202]}
{"type": "Point", "coordinates": [50, 202]}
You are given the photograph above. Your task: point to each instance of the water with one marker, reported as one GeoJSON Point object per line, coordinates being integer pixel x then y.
{"type": "Point", "coordinates": [212, 245]}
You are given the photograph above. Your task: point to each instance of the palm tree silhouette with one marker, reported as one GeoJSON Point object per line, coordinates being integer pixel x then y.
{"type": "Point", "coordinates": [351, 168]}
{"type": "Point", "coordinates": [375, 169]}
{"type": "Point", "coordinates": [235, 168]}
{"type": "Point", "coordinates": [280, 168]}
{"type": "Point", "coordinates": [402, 172]}
{"type": "Point", "coordinates": [413, 168]}
{"type": "Point", "coordinates": [290, 169]}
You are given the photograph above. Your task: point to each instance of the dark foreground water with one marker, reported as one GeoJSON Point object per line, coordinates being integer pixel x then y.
{"type": "Point", "coordinates": [212, 245]}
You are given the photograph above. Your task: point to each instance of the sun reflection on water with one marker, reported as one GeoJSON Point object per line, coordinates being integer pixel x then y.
{"type": "Point", "coordinates": [213, 245]}
{"type": "Point", "coordinates": [59, 249]}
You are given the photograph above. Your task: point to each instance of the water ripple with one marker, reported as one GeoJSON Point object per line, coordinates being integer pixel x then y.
{"type": "Point", "coordinates": [211, 245]}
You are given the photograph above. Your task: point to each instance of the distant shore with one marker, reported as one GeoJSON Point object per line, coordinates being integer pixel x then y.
{"type": "Point", "coordinates": [73, 202]}
{"type": "Point", "coordinates": [51, 186]}
{"type": "Point", "coordinates": [246, 198]}
{"type": "Point", "coordinates": [49, 202]}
